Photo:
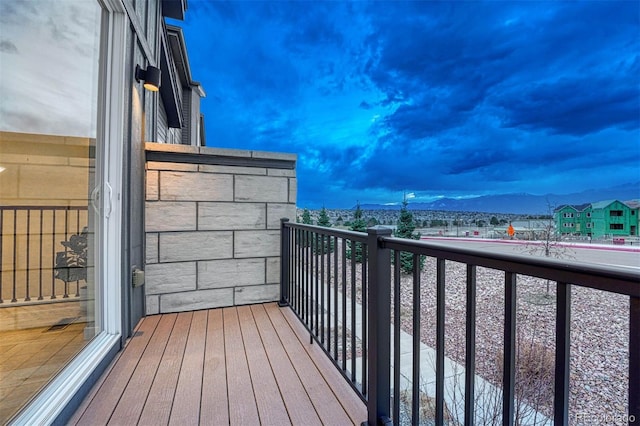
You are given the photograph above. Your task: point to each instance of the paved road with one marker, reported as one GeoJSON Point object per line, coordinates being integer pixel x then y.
{"type": "Point", "coordinates": [627, 256]}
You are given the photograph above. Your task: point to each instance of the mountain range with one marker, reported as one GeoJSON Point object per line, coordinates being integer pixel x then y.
{"type": "Point", "coordinates": [519, 203]}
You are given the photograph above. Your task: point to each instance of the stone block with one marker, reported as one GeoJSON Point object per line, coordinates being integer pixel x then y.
{"type": "Point", "coordinates": [273, 270]}
{"type": "Point", "coordinates": [282, 172]}
{"type": "Point", "coordinates": [152, 185]}
{"type": "Point", "coordinates": [219, 216]}
{"type": "Point", "coordinates": [152, 305]}
{"type": "Point", "coordinates": [52, 182]}
{"type": "Point", "coordinates": [261, 188]}
{"type": "Point", "coordinates": [170, 216]}
{"type": "Point", "coordinates": [293, 190]}
{"type": "Point", "coordinates": [184, 186]}
{"type": "Point", "coordinates": [276, 211]}
{"type": "Point", "coordinates": [163, 165]}
{"type": "Point", "coordinates": [233, 170]}
{"type": "Point", "coordinates": [267, 155]}
{"type": "Point", "coordinates": [256, 244]}
{"type": "Point", "coordinates": [168, 147]}
{"type": "Point", "coordinates": [200, 245]}
{"type": "Point", "coordinates": [231, 273]}
{"type": "Point", "coordinates": [196, 300]}
{"type": "Point", "coordinates": [256, 294]}
{"type": "Point", "coordinates": [225, 152]}
{"type": "Point", "coordinates": [151, 248]}
{"type": "Point", "coordinates": [170, 277]}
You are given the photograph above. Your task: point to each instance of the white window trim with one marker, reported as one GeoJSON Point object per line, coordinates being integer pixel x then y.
{"type": "Point", "coordinates": [50, 403]}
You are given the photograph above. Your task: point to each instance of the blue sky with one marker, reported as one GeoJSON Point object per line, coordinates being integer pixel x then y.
{"type": "Point", "coordinates": [436, 99]}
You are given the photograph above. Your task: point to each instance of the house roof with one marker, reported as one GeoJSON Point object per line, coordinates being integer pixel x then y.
{"type": "Point", "coordinates": [634, 204]}
{"type": "Point", "coordinates": [174, 9]}
{"type": "Point", "coordinates": [178, 47]}
{"type": "Point", "coordinates": [576, 207]}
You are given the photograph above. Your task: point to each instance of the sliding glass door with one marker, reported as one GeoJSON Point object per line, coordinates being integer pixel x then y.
{"type": "Point", "coordinates": [55, 192]}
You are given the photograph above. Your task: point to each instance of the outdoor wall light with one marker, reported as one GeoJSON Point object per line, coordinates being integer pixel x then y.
{"type": "Point", "coordinates": [151, 77]}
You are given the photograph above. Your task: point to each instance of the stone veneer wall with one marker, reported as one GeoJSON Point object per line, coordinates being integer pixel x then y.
{"type": "Point", "coordinates": [212, 225]}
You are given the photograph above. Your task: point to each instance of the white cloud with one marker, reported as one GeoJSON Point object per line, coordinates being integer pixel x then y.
{"type": "Point", "coordinates": [49, 82]}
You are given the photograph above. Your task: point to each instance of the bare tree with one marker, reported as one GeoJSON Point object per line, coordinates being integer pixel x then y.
{"type": "Point", "coordinates": [548, 243]}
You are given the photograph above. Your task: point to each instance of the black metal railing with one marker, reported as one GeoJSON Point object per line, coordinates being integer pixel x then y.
{"type": "Point", "coordinates": [30, 239]}
{"type": "Point", "coordinates": [350, 302]}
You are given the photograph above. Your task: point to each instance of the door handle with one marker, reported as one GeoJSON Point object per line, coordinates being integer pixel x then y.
{"type": "Point", "coordinates": [108, 200]}
{"type": "Point", "coordinates": [95, 199]}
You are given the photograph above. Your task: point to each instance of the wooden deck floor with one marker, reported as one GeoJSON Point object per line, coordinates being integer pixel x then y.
{"type": "Point", "coordinates": [246, 365]}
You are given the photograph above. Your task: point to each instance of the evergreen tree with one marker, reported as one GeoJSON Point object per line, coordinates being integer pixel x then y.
{"type": "Point", "coordinates": [306, 217]}
{"type": "Point", "coordinates": [323, 243]}
{"type": "Point", "coordinates": [405, 229]}
{"type": "Point", "coordinates": [323, 218]}
{"type": "Point", "coordinates": [359, 225]}
{"type": "Point", "coordinates": [306, 220]}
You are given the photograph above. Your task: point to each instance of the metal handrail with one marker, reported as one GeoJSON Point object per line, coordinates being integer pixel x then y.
{"type": "Point", "coordinates": [305, 280]}
{"type": "Point", "coordinates": [32, 280]}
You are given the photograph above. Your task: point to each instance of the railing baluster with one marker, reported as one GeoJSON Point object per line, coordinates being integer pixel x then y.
{"type": "Point", "coordinates": [300, 283]}
{"type": "Point", "coordinates": [66, 237]}
{"type": "Point", "coordinates": [415, 381]}
{"type": "Point", "coordinates": [78, 232]}
{"type": "Point", "coordinates": [1, 245]}
{"type": "Point", "coordinates": [322, 283]}
{"type": "Point", "coordinates": [563, 344]}
{"type": "Point", "coordinates": [316, 287]}
{"type": "Point", "coordinates": [509, 360]}
{"type": "Point", "coordinates": [53, 254]}
{"type": "Point", "coordinates": [365, 310]}
{"type": "Point", "coordinates": [353, 311]}
{"type": "Point", "coordinates": [40, 297]}
{"type": "Point", "coordinates": [295, 271]}
{"type": "Point", "coordinates": [634, 360]}
{"type": "Point", "coordinates": [329, 300]}
{"type": "Point", "coordinates": [335, 299]}
{"type": "Point", "coordinates": [308, 276]}
{"type": "Point", "coordinates": [397, 311]}
{"type": "Point", "coordinates": [470, 353]}
{"type": "Point", "coordinates": [344, 303]}
{"type": "Point", "coordinates": [15, 255]}
{"type": "Point", "coordinates": [440, 312]}
{"type": "Point", "coordinates": [28, 258]}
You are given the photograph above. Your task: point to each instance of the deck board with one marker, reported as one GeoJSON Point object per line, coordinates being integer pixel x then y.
{"type": "Point", "coordinates": [101, 408]}
{"type": "Point", "coordinates": [301, 410]}
{"type": "Point", "coordinates": [327, 405]}
{"type": "Point", "coordinates": [131, 404]}
{"type": "Point", "coordinates": [354, 407]}
{"type": "Point", "coordinates": [245, 365]}
{"type": "Point", "coordinates": [157, 408]}
{"type": "Point", "coordinates": [214, 408]}
{"type": "Point", "coordinates": [271, 409]}
{"type": "Point", "coordinates": [242, 406]}
{"type": "Point", "coordinates": [186, 404]}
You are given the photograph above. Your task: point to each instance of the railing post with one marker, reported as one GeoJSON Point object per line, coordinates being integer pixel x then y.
{"type": "Point", "coordinates": [284, 263]}
{"type": "Point", "coordinates": [379, 328]}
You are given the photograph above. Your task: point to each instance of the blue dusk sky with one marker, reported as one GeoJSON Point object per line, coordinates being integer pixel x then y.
{"type": "Point", "coordinates": [435, 99]}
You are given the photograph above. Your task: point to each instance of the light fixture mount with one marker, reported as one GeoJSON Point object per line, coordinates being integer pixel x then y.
{"type": "Point", "coordinates": [150, 76]}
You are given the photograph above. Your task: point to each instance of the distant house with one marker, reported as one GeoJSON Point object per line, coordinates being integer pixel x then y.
{"type": "Point", "coordinates": [179, 119]}
{"type": "Point", "coordinates": [609, 218]}
{"type": "Point", "coordinates": [573, 219]}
